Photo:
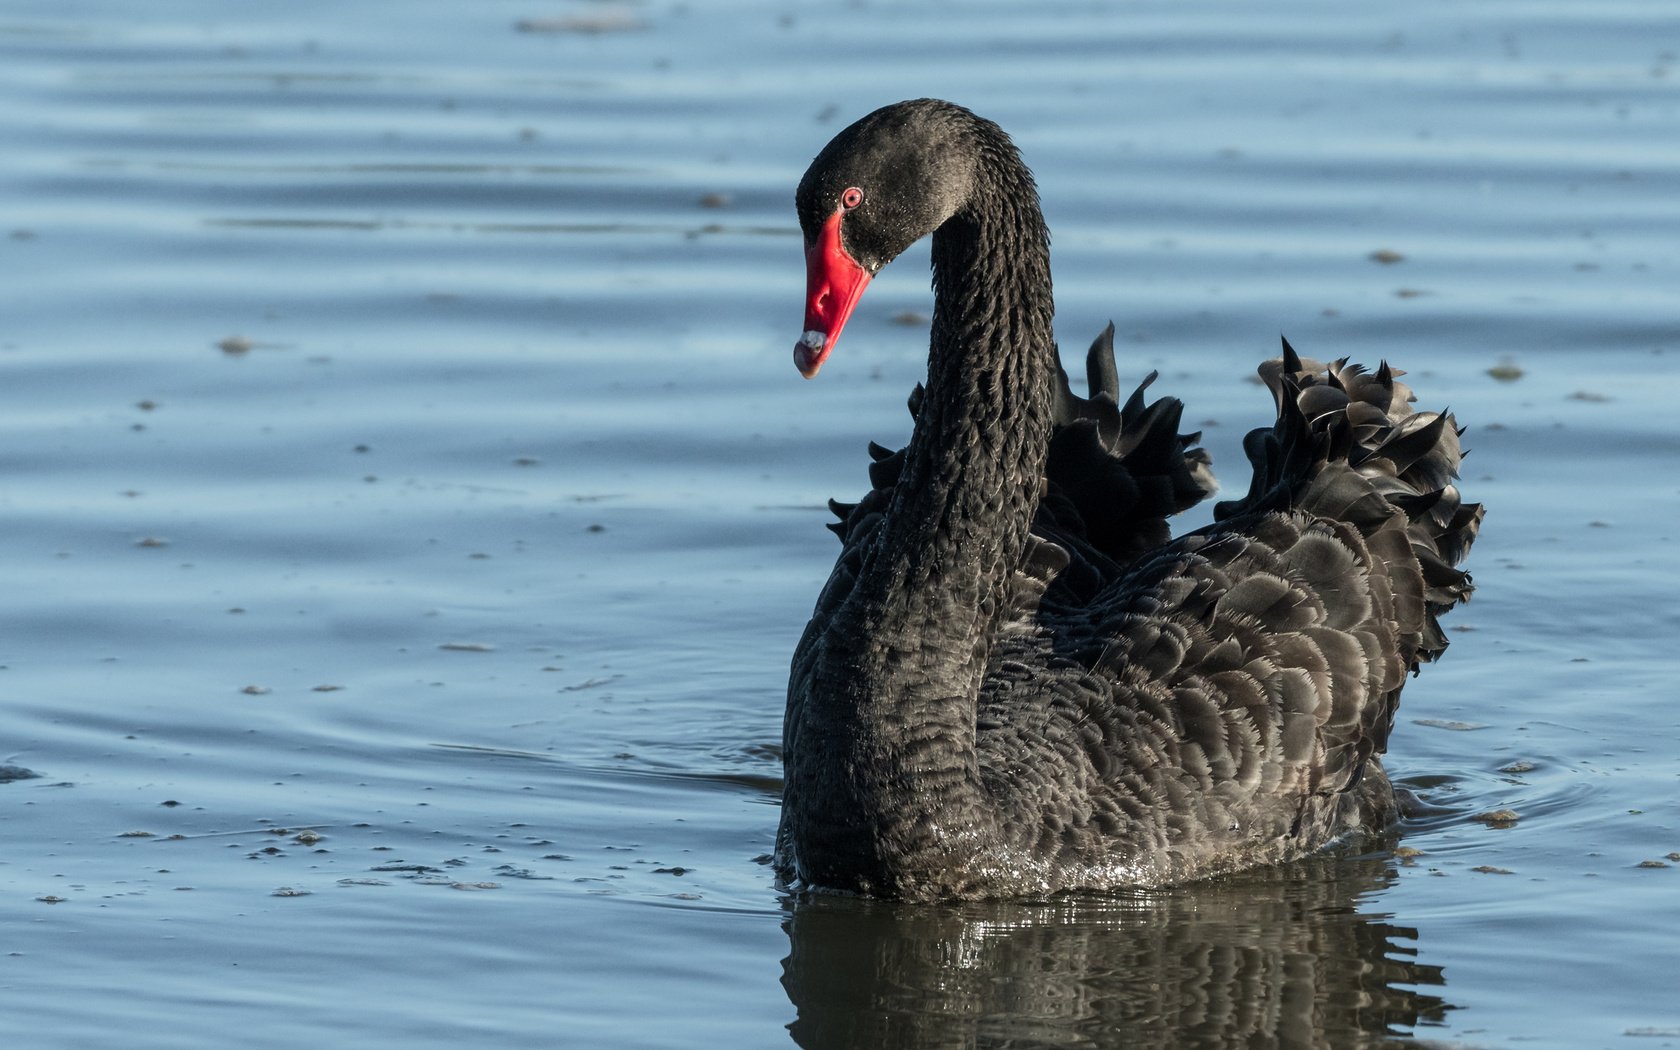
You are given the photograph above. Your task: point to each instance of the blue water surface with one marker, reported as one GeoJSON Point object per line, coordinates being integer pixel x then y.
{"type": "Point", "coordinates": [410, 508]}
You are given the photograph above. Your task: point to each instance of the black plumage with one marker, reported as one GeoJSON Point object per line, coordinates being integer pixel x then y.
{"type": "Point", "coordinates": [1015, 681]}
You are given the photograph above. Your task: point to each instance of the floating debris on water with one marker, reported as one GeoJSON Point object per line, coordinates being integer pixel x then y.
{"type": "Point", "coordinates": [1506, 371]}
{"type": "Point", "coordinates": [590, 683]}
{"type": "Point", "coordinates": [1448, 723]}
{"type": "Point", "coordinates": [508, 871]}
{"type": "Point", "coordinates": [590, 25]}
{"type": "Point", "coordinates": [1498, 818]}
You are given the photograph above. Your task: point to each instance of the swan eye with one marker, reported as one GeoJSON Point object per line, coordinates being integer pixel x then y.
{"type": "Point", "coordinates": [851, 198]}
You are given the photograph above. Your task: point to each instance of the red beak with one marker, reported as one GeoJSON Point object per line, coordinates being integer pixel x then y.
{"type": "Point", "coordinates": [833, 284]}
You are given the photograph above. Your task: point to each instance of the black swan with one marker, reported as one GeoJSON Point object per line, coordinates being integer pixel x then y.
{"type": "Point", "coordinates": [1015, 681]}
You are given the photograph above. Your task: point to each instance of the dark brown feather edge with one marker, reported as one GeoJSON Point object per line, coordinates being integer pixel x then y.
{"type": "Point", "coordinates": [1114, 474]}
{"type": "Point", "coordinates": [1346, 445]}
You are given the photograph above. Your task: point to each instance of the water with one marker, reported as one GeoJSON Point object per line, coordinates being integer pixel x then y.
{"type": "Point", "coordinates": [478, 545]}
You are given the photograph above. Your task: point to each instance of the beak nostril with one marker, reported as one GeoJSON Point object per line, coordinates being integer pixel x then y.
{"type": "Point", "coordinates": [833, 282]}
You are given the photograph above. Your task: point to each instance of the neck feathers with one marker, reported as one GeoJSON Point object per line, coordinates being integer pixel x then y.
{"type": "Point", "coordinates": [944, 560]}
{"type": "Point", "coordinates": [880, 738]}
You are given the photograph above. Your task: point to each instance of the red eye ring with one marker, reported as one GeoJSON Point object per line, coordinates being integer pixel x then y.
{"type": "Point", "coordinates": [851, 198]}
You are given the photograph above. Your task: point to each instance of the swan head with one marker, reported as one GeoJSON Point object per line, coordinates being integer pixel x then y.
{"type": "Point", "coordinates": [880, 186]}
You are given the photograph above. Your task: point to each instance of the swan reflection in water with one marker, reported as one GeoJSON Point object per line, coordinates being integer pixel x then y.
{"type": "Point", "coordinates": [1287, 956]}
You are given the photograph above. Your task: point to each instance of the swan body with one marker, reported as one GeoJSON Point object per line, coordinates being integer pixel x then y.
{"type": "Point", "coordinates": [1015, 681]}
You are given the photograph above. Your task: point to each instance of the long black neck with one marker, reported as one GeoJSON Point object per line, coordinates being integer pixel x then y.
{"type": "Point", "coordinates": [882, 779]}
{"type": "Point", "coordinates": [915, 631]}
{"type": "Point", "coordinates": [971, 481]}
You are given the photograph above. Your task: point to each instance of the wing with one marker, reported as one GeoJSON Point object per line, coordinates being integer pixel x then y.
{"type": "Point", "coordinates": [1220, 708]}
{"type": "Point", "coordinates": [1226, 700]}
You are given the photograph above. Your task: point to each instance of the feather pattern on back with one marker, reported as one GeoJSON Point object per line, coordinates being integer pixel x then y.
{"type": "Point", "coordinates": [1015, 682]}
